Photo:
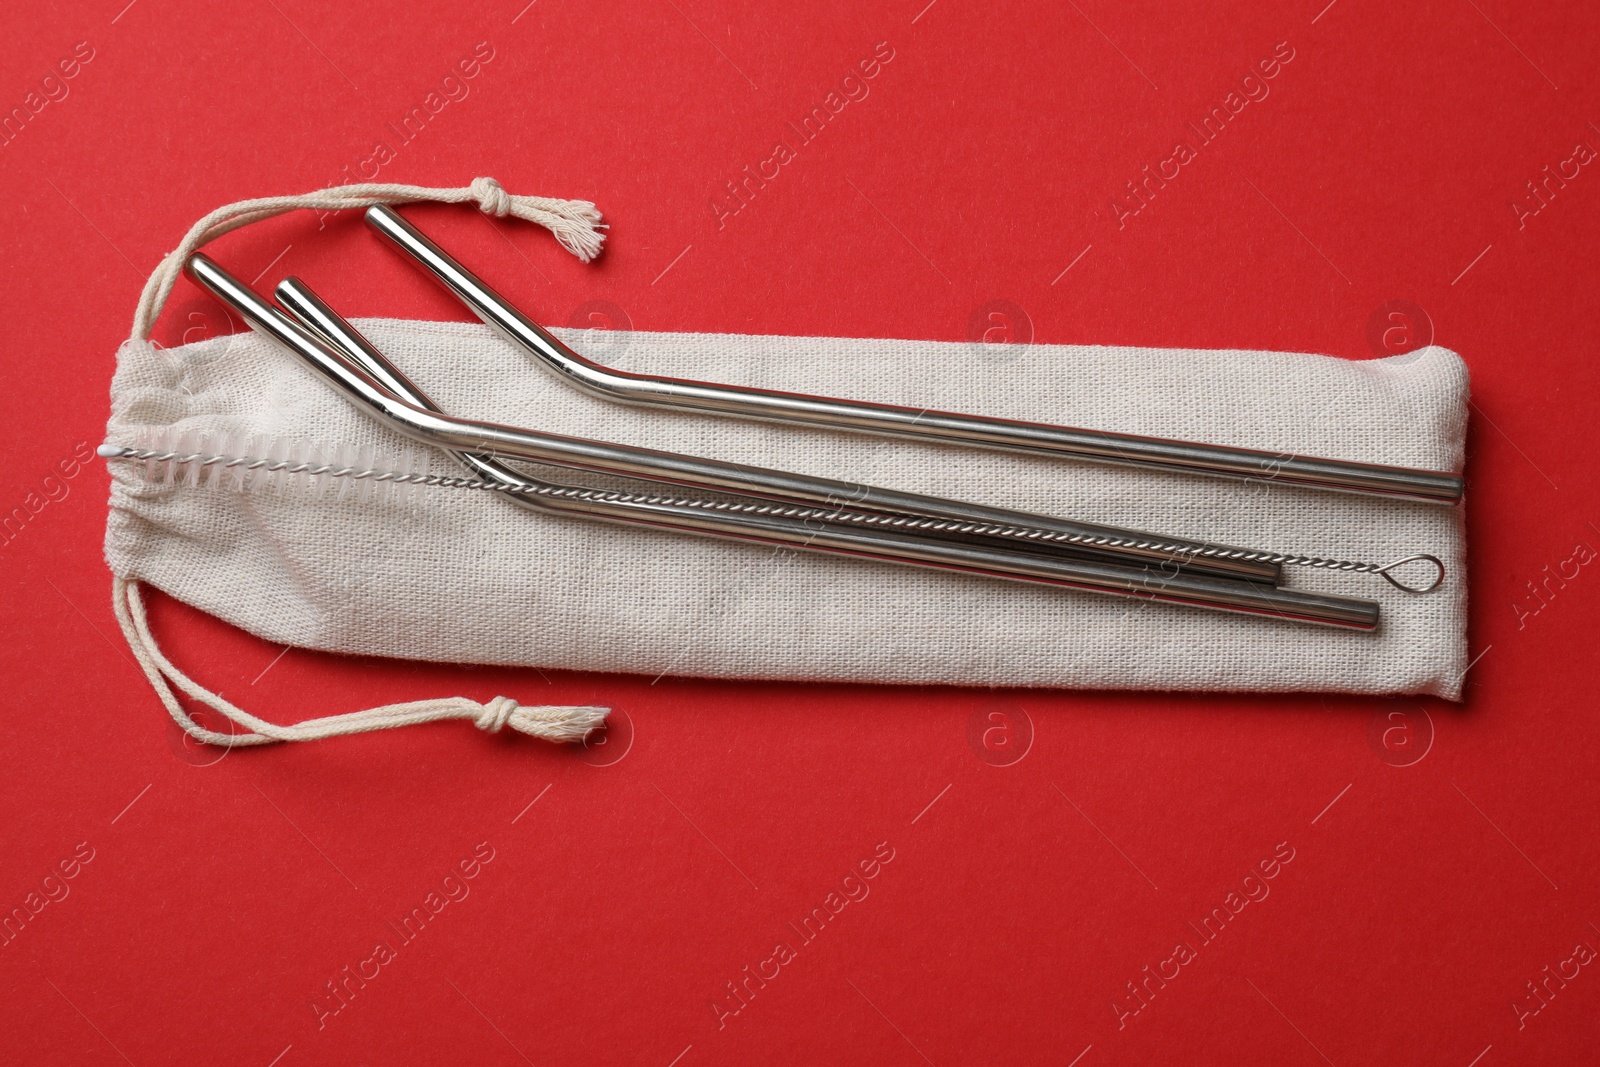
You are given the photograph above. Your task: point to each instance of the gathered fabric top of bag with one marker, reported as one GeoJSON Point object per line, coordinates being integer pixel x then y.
{"type": "Point", "coordinates": [461, 576]}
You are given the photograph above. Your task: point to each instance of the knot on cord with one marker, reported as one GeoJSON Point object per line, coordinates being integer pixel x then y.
{"type": "Point", "coordinates": [498, 711]}
{"type": "Point", "coordinates": [548, 722]}
{"type": "Point", "coordinates": [491, 197]}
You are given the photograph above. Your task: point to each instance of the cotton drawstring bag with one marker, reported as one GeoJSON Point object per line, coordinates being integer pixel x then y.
{"type": "Point", "coordinates": [459, 576]}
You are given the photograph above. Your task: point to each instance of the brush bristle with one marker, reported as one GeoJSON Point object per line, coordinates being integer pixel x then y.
{"type": "Point", "coordinates": [280, 466]}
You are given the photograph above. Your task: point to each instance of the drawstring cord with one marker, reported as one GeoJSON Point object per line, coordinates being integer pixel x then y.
{"type": "Point", "coordinates": [577, 225]}
{"type": "Point", "coordinates": [552, 723]}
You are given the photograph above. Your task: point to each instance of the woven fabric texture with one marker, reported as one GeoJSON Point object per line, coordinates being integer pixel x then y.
{"type": "Point", "coordinates": [462, 576]}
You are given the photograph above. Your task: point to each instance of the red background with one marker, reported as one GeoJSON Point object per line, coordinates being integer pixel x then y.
{"type": "Point", "coordinates": [221, 898]}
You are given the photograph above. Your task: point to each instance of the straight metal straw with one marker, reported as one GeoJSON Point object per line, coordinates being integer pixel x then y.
{"type": "Point", "coordinates": [466, 436]}
{"type": "Point", "coordinates": [861, 416]}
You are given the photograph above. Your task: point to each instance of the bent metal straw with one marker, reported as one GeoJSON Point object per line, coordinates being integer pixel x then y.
{"type": "Point", "coordinates": [920, 424]}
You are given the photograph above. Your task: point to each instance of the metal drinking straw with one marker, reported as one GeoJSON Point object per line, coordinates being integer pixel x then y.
{"type": "Point", "coordinates": [861, 416]}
